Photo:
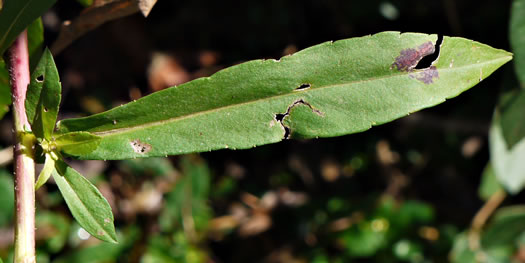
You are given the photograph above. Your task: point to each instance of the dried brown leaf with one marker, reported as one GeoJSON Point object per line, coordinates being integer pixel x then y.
{"type": "Point", "coordinates": [145, 6]}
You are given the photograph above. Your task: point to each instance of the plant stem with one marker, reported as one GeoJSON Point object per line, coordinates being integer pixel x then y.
{"type": "Point", "coordinates": [18, 63]}
{"type": "Point", "coordinates": [481, 217]}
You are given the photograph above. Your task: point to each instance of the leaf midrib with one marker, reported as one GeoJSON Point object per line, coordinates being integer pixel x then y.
{"type": "Point", "coordinates": [178, 118]}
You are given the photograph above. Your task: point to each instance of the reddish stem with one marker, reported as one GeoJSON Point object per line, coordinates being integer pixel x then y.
{"type": "Point", "coordinates": [18, 63]}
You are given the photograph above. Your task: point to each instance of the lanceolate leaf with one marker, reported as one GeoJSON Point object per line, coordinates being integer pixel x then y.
{"type": "Point", "coordinates": [85, 202]}
{"type": "Point", "coordinates": [16, 15]}
{"type": "Point", "coordinates": [331, 89]}
{"type": "Point", "coordinates": [43, 97]}
{"type": "Point", "coordinates": [76, 143]}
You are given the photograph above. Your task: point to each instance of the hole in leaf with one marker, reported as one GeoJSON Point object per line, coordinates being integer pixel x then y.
{"type": "Point", "coordinates": [140, 147]}
{"type": "Point", "coordinates": [303, 86]}
{"type": "Point", "coordinates": [286, 132]}
{"type": "Point", "coordinates": [40, 78]}
{"type": "Point", "coordinates": [427, 61]}
{"type": "Point", "coordinates": [280, 116]}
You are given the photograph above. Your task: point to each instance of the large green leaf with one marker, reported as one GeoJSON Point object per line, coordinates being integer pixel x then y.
{"type": "Point", "coordinates": [17, 15]}
{"type": "Point", "coordinates": [517, 37]}
{"type": "Point", "coordinates": [331, 89]}
{"type": "Point", "coordinates": [43, 97]}
{"type": "Point", "coordinates": [86, 203]}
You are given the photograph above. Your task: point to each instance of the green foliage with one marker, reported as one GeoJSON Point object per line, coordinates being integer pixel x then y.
{"type": "Point", "coordinates": [188, 199]}
{"type": "Point", "coordinates": [327, 90]}
{"type": "Point", "coordinates": [102, 252]}
{"type": "Point", "coordinates": [17, 15]}
{"type": "Point", "coordinates": [173, 249]}
{"type": "Point", "coordinates": [499, 241]}
{"type": "Point", "coordinates": [7, 198]}
{"type": "Point", "coordinates": [517, 38]}
{"type": "Point", "coordinates": [507, 132]}
{"type": "Point", "coordinates": [85, 202]}
{"type": "Point", "coordinates": [383, 228]}
{"type": "Point", "coordinates": [506, 138]}
{"type": "Point", "coordinates": [57, 230]}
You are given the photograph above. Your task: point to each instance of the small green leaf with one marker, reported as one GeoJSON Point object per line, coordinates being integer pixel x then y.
{"type": "Point", "coordinates": [43, 97]}
{"type": "Point", "coordinates": [517, 37]}
{"type": "Point", "coordinates": [331, 89]}
{"type": "Point", "coordinates": [77, 143]}
{"type": "Point", "coordinates": [489, 183]}
{"type": "Point", "coordinates": [44, 175]}
{"type": "Point", "coordinates": [507, 163]}
{"type": "Point", "coordinates": [86, 203]}
{"type": "Point", "coordinates": [17, 15]}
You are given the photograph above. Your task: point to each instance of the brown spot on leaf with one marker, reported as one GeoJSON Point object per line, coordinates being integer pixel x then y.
{"type": "Point", "coordinates": [427, 75]}
{"type": "Point", "coordinates": [408, 58]}
{"type": "Point", "coordinates": [140, 147]}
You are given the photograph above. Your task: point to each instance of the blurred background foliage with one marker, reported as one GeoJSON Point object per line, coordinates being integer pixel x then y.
{"type": "Point", "coordinates": [406, 191]}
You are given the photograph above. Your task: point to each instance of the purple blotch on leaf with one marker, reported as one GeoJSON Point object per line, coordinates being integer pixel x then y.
{"type": "Point", "coordinates": [427, 75]}
{"type": "Point", "coordinates": [408, 58]}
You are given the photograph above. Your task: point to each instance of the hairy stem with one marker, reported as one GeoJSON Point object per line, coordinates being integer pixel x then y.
{"type": "Point", "coordinates": [18, 63]}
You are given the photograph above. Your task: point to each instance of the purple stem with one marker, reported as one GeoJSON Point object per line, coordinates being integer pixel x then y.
{"type": "Point", "coordinates": [18, 65]}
